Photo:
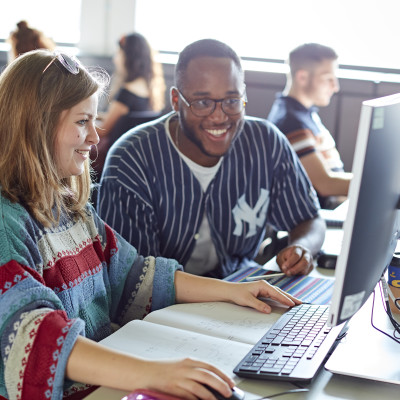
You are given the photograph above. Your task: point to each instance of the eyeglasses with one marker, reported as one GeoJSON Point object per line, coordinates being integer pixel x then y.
{"type": "Point", "coordinates": [205, 107]}
{"type": "Point", "coordinates": [69, 63]}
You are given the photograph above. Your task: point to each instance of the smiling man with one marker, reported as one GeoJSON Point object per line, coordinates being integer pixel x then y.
{"type": "Point", "coordinates": [311, 84]}
{"type": "Point", "coordinates": [201, 184]}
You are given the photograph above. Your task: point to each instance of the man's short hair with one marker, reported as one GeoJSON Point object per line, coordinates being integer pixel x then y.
{"type": "Point", "coordinates": [308, 55]}
{"type": "Point", "coordinates": [203, 48]}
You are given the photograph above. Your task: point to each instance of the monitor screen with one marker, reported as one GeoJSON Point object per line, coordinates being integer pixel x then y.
{"type": "Point", "coordinates": [370, 231]}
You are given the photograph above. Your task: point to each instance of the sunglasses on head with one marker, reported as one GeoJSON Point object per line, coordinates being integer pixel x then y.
{"type": "Point", "coordinates": [69, 63]}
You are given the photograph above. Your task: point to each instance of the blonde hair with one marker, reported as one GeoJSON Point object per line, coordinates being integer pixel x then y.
{"type": "Point", "coordinates": [31, 103]}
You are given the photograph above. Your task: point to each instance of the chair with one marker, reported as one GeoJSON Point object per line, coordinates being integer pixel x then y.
{"type": "Point", "coordinates": [274, 241]}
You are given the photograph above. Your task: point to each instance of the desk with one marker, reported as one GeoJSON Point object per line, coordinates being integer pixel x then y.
{"type": "Point", "coordinates": [326, 385]}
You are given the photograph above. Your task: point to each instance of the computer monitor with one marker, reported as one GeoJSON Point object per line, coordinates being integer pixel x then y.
{"type": "Point", "coordinates": [371, 229]}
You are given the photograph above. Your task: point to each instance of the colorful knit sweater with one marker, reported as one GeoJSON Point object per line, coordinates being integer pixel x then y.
{"type": "Point", "coordinates": [79, 278]}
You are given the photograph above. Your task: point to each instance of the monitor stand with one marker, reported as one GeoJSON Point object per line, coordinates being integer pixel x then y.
{"type": "Point", "coordinates": [365, 352]}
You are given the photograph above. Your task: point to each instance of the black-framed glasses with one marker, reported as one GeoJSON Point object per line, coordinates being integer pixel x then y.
{"type": "Point", "coordinates": [205, 107]}
{"type": "Point", "coordinates": [69, 63]}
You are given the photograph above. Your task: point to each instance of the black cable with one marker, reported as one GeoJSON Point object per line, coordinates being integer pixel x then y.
{"type": "Point", "coordinates": [390, 317]}
{"type": "Point", "coordinates": [297, 385]}
{"type": "Point", "coordinates": [385, 293]}
{"type": "Point", "coordinates": [291, 391]}
{"type": "Point", "coordinates": [395, 324]}
{"type": "Point", "coordinates": [385, 301]}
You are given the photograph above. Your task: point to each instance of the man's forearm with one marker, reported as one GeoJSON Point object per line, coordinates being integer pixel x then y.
{"type": "Point", "coordinates": [309, 234]}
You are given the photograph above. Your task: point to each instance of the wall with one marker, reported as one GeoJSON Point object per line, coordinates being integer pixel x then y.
{"type": "Point", "coordinates": [103, 22]}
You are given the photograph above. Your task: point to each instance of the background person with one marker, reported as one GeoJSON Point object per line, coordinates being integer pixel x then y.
{"type": "Point", "coordinates": [202, 183]}
{"type": "Point", "coordinates": [24, 39]}
{"type": "Point", "coordinates": [138, 87]}
{"type": "Point", "coordinates": [311, 83]}
{"type": "Point", "coordinates": [138, 82]}
{"type": "Point", "coordinates": [67, 278]}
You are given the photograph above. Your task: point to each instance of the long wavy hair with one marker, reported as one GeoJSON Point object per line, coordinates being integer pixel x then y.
{"type": "Point", "coordinates": [31, 103]}
{"type": "Point", "coordinates": [140, 63]}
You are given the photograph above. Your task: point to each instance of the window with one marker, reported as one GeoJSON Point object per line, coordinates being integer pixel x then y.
{"type": "Point", "coordinates": [63, 26]}
{"type": "Point", "coordinates": [363, 32]}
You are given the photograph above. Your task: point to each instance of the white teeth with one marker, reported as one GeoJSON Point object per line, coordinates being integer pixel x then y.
{"type": "Point", "coordinates": [216, 132]}
{"type": "Point", "coordinates": [83, 152]}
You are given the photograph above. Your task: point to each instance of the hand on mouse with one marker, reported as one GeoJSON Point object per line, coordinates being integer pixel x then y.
{"type": "Point", "coordinates": [185, 379]}
{"type": "Point", "coordinates": [236, 394]}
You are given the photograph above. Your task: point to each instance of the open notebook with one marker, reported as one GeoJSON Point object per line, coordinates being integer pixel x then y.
{"type": "Point", "coordinates": [217, 333]}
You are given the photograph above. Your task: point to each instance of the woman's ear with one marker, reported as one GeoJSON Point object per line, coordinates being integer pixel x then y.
{"type": "Point", "coordinates": [174, 98]}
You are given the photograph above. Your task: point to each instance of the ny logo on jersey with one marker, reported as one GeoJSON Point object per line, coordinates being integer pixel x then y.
{"type": "Point", "coordinates": [243, 213]}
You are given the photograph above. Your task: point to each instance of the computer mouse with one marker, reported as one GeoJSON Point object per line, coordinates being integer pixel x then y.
{"type": "Point", "coordinates": [146, 394]}
{"type": "Point", "coordinates": [237, 394]}
{"type": "Point", "coordinates": [326, 260]}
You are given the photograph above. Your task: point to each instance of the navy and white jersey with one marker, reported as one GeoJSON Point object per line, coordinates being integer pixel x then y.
{"type": "Point", "coordinates": [150, 196]}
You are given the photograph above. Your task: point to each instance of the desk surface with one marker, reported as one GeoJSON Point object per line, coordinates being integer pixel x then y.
{"type": "Point", "coordinates": [326, 385]}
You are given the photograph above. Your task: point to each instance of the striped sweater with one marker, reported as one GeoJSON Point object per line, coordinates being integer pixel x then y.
{"type": "Point", "coordinates": [304, 130]}
{"type": "Point", "coordinates": [150, 196]}
{"type": "Point", "coordinates": [79, 278]}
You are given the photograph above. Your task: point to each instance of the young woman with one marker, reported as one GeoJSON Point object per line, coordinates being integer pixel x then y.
{"type": "Point", "coordinates": [137, 90]}
{"type": "Point", "coordinates": [66, 278]}
{"type": "Point", "coordinates": [138, 81]}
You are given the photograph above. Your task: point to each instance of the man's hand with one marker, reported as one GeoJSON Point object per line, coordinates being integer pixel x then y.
{"type": "Point", "coordinates": [295, 260]}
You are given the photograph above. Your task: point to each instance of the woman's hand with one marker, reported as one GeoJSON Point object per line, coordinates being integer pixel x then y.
{"type": "Point", "coordinates": [184, 378]}
{"type": "Point", "coordinates": [194, 289]}
{"type": "Point", "coordinates": [95, 364]}
{"type": "Point", "coordinates": [249, 294]}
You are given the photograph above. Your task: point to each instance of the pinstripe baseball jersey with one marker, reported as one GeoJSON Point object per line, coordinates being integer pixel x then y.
{"type": "Point", "coordinates": [151, 197]}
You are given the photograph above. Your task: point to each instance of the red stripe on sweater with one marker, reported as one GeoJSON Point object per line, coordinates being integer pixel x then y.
{"type": "Point", "coordinates": [12, 273]}
{"type": "Point", "coordinates": [111, 247]}
{"type": "Point", "coordinates": [70, 270]}
{"type": "Point", "coordinates": [42, 357]}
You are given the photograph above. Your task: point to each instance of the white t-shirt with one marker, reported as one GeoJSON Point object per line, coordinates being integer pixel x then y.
{"type": "Point", "coordinates": [204, 257]}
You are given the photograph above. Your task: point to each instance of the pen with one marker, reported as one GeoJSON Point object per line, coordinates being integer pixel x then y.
{"type": "Point", "coordinates": [264, 277]}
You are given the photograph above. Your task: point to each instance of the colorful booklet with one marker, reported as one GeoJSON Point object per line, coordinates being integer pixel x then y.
{"type": "Point", "coordinates": [308, 289]}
